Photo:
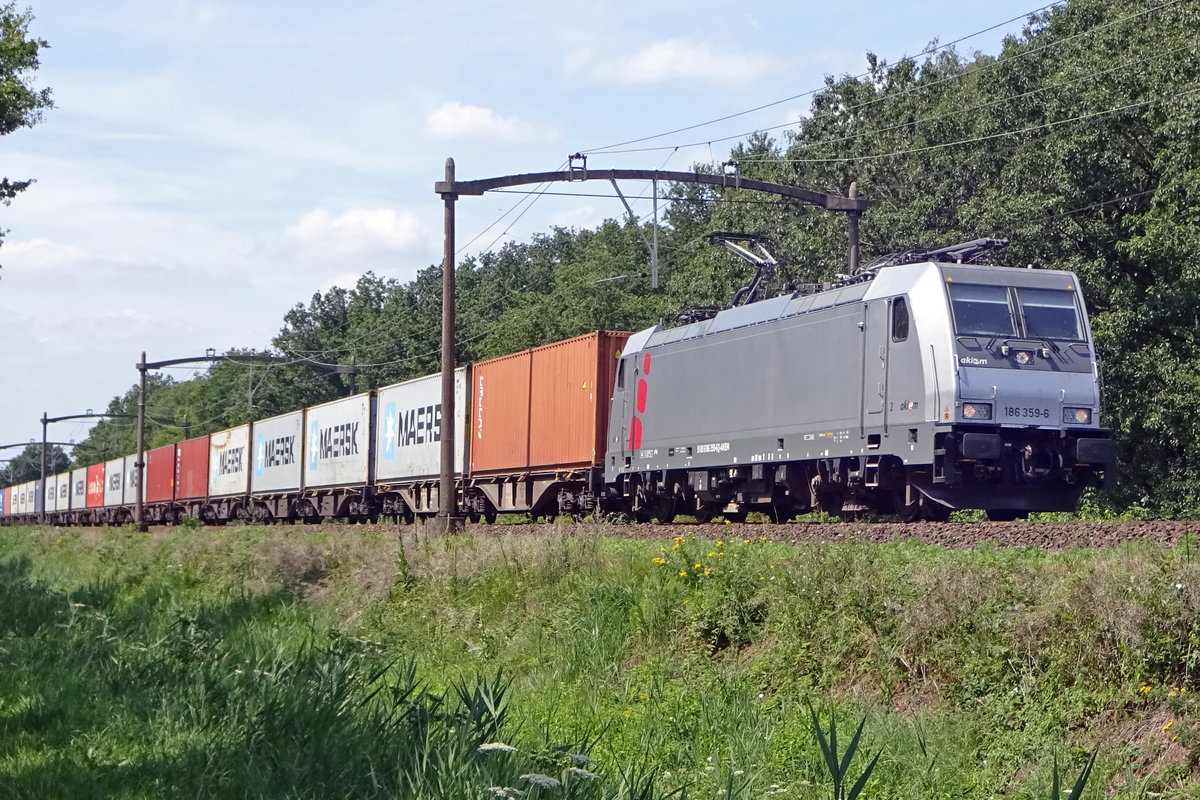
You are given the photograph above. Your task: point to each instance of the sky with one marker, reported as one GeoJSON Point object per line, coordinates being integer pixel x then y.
{"type": "Point", "coordinates": [210, 164]}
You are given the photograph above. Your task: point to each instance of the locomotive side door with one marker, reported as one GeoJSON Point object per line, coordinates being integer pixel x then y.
{"type": "Point", "coordinates": [874, 364]}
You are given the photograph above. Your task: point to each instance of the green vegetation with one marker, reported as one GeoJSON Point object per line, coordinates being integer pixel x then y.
{"type": "Point", "coordinates": [21, 103]}
{"type": "Point", "coordinates": [253, 661]}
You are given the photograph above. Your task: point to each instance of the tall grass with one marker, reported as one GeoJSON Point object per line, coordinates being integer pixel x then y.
{"type": "Point", "coordinates": [275, 662]}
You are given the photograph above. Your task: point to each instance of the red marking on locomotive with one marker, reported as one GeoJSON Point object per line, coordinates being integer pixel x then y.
{"type": "Point", "coordinates": [645, 363]}
{"type": "Point", "coordinates": [635, 433]}
{"type": "Point", "coordinates": [642, 390]}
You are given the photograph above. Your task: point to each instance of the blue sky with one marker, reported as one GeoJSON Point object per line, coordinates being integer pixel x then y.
{"type": "Point", "coordinates": [211, 163]}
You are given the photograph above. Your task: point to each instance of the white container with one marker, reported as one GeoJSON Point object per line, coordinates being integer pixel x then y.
{"type": "Point", "coordinates": [228, 462]}
{"type": "Point", "coordinates": [338, 443]}
{"type": "Point", "coordinates": [20, 499]}
{"type": "Point", "coordinates": [79, 489]}
{"type": "Point", "coordinates": [132, 482]}
{"type": "Point", "coordinates": [114, 482]}
{"type": "Point", "coordinates": [50, 495]}
{"type": "Point", "coordinates": [278, 454]}
{"type": "Point", "coordinates": [408, 428]}
{"type": "Point", "coordinates": [62, 498]}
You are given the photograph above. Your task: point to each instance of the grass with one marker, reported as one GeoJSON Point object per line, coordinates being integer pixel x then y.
{"type": "Point", "coordinates": [302, 662]}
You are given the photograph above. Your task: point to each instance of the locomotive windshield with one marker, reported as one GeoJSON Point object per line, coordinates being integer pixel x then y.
{"type": "Point", "coordinates": [981, 310]}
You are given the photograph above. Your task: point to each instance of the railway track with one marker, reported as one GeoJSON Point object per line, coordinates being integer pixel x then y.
{"type": "Point", "coordinates": [1023, 533]}
{"type": "Point", "coordinates": [1046, 535]}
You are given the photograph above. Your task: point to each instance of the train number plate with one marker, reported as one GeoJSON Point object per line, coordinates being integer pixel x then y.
{"type": "Point", "coordinates": [1026, 412]}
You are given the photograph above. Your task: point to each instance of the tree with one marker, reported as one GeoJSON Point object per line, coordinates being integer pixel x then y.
{"type": "Point", "coordinates": [21, 104]}
{"type": "Point", "coordinates": [28, 465]}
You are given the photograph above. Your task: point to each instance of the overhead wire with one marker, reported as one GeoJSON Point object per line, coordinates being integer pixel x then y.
{"type": "Point", "coordinates": [919, 87]}
{"type": "Point", "coordinates": [927, 51]}
{"type": "Point", "coordinates": [986, 137]}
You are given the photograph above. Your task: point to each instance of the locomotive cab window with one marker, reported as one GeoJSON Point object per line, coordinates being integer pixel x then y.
{"type": "Point", "coordinates": [981, 310]}
{"type": "Point", "coordinates": [1050, 314]}
{"type": "Point", "coordinates": [621, 375]}
{"type": "Point", "coordinates": [899, 320]}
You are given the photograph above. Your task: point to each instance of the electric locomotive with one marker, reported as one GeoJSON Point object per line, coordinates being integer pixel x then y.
{"type": "Point", "coordinates": [924, 384]}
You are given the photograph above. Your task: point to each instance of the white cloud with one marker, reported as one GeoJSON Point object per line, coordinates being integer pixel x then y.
{"type": "Point", "coordinates": [43, 254]}
{"type": "Point", "coordinates": [671, 59]}
{"type": "Point", "coordinates": [346, 280]}
{"type": "Point", "coordinates": [359, 230]}
{"type": "Point", "coordinates": [795, 115]}
{"type": "Point", "coordinates": [581, 217]}
{"type": "Point", "coordinates": [455, 120]}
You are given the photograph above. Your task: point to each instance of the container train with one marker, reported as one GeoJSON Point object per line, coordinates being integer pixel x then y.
{"type": "Point", "coordinates": [922, 385]}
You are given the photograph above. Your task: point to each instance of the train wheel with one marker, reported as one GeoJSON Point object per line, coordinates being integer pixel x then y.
{"type": "Point", "coordinates": [704, 514]}
{"type": "Point", "coordinates": [782, 512]}
{"type": "Point", "coordinates": [933, 511]}
{"type": "Point", "coordinates": [667, 505]}
{"type": "Point", "coordinates": [489, 515]}
{"type": "Point", "coordinates": [909, 510]}
{"type": "Point", "coordinates": [1005, 514]}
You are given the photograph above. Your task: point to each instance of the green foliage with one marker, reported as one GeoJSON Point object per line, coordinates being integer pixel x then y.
{"type": "Point", "coordinates": [1077, 790]}
{"type": "Point", "coordinates": [268, 661]}
{"type": "Point", "coordinates": [27, 466]}
{"type": "Point", "coordinates": [839, 763]}
{"type": "Point", "coordinates": [21, 104]}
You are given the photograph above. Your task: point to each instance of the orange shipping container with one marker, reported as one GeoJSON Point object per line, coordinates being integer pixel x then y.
{"type": "Point", "coordinates": [545, 408]}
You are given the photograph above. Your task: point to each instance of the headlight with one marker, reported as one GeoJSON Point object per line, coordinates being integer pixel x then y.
{"type": "Point", "coordinates": [1023, 357]}
{"type": "Point", "coordinates": [977, 410]}
{"type": "Point", "coordinates": [1077, 416]}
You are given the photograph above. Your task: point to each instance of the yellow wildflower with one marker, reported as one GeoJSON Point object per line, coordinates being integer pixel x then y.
{"type": "Point", "coordinates": [712, 553]}
{"type": "Point", "coordinates": [1146, 690]}
{"type": "Point", "coordinates": [698, 565]}
{"type": "Point", "coordinates": [720, 543]}
{"type": "Point", "coordinates": [707, 571]}
{"type": "Point", "coordinates": [683, 573]}
{"type": "Point", "coordinates": [1167, 727]}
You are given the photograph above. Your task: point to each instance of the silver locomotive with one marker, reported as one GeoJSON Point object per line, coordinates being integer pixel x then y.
{"type": "Point", "coordinates": [923, 385]}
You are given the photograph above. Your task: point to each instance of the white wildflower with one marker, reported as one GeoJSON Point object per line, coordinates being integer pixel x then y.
{"type": "Point", "coordinates": [583, 773]}
{"type": "Point", "coordinates": [490, 746]}
{"type": "Point", "coordinates": [579, 758]}
{"type": "Point", "coordinates": [538, 779]}
{"type": "Point", "coordinates": [499, 791]}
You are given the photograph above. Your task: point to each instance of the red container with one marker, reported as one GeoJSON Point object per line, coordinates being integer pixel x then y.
{"type": "Point", "coordinates": [500, 414]}
{"type": "Point", "coordinates": [160, 474]}
{"type": "Point", "coordinates": [95, 486]}
{"type": "Point", "coordinates": [545, 408]}
{"type": "Point", "coordinates": [191, 469]}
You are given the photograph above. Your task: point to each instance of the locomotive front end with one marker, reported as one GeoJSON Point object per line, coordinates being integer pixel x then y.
{"type": "Point", "coordinates": [1024, 432]}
